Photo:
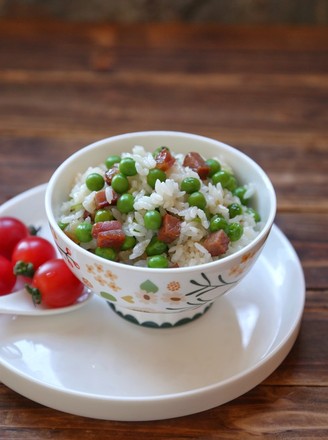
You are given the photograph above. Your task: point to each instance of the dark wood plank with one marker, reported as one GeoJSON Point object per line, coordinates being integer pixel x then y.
{"type": "Point", "coordinates": [266, 412]}
{"type": "Point", "coordinates": [161, 46]}
{"type": "Point", "coordinates": [307, 233]}
{"type": "Point", "coordinates": [277, 106]}
{"type": "Point", "coordinates": [299, 368]}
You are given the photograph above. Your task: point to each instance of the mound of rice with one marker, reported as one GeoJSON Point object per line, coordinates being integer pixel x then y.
{"type": "Point", "coordinates": [187, 249]}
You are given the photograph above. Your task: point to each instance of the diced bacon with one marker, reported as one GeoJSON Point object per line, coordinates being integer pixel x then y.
{"type": "Point", "coordinates": [110, 173]}
{"type": "Point", "coordinates": [217, 243]}
{"type": "Point", "coordinates": [114, 198]}
{"type": "Point", "coordinates": [112, 239]}
{"type": "Point", "coordinates": [87, 214]}
{"type": "Point", "coordinates": [108, 234]}
{"type": "Point", "coordinates": [170, 228]}
{"type": "Point", "coordinates": [203, 171]}
{"type": "Point", "coordinates": [164, 159]}
{"type": "Point", "coordinates": [109, 225]}
{"type": "Point", "coordinates": [195, 161]}
{"type": "Point", "coordinates": [100, 199]}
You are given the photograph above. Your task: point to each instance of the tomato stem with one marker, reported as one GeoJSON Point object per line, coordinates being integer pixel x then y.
{"type": "Point", "coordinates": [35, 293]}
{"type": "Point", "coordinates": [25, 269]}
{"type": "Point", "coordinates": [34, 230]}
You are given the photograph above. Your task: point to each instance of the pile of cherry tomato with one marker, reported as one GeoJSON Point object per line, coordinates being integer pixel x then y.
{"type": "Point", "coordinates": [32, 260]}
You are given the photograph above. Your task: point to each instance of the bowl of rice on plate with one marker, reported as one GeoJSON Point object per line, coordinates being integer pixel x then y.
{"type": "Point", "coordinates": [160, 224]}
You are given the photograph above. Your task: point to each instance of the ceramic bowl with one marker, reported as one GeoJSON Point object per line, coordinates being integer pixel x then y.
{"type": "Point", "coordinates": [159, 297]}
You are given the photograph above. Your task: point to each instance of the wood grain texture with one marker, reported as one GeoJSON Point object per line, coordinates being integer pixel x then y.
{"type": "Point", "coordinates": [224, 11]}
{"type": "Point", "coordinates": [263, 90]}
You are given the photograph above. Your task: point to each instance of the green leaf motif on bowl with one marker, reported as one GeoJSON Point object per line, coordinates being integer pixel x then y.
{"type": "Point", "coordinates": [108, 296]}
{"type": "Point", "coordinates": [198, 295]}
{"type": "Point", "coordinates": [149, 287]}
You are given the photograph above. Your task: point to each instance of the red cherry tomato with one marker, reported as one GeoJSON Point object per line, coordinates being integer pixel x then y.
{"type": "Point", "coordinates": [7, 277]}
{"type": "Point", "coordinates": [32, 250]}
{"type": "Point", "coordinates": [56, 284]}
{"type": "Point", "coordinates": [12, 231]}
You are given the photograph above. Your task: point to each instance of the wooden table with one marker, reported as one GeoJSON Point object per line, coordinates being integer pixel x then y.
{"type": "Point", "coordinates": [263, 90]}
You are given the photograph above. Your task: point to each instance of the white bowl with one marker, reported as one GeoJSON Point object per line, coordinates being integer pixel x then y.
{"type": "Point", "coordinates": [159, 297]}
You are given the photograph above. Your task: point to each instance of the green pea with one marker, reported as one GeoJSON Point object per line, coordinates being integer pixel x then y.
{"type": "Point", "coordinates": [235, 231]}
{"type": "Point", "coordinates": [232, 183]}
{"type": "Point", "coordinates": [108, 253]}
{"type": "Point", "coordinates": [235, 209]}
{"type": "Point", "coordinates": [158, 262]}
{"type": "Point", "coordinates": [94, 181]}
{"type": "Point", "coordinates": [153, 220]}
{"type": "Point", "coordinates": [83, 232]}
{"type": "Point", "coordinates": [255, 214]}
{"type": "Point", "coordinates": [154, 175]}
{"type": "Point", "coordinates": [240, 192]}
{"type": "Point", "coordinates": [129, 243]}
{"type": "Point", "coordinates": [197, 199]}
{"type": "Point", "coordinates": [156, 247]}
{"type": "Point", "coordinates": [112, 160]}
{"type": "Point", "coordinates": [214, 165]}
{"type": "Point", "coordinates": [221, 177]}
{"type": "Point", "coordinates": [127, 166]}
{"type": "Point", "coordinates": [218, 222]}
{"type": "Point", "coordinates": [190, 185]}
{"type": "Point", "coordinates": [120, 183]}
{"type": "Point", "coordinates": [125, 203]}
{"type": "Point", "coordinates": [103, 215]}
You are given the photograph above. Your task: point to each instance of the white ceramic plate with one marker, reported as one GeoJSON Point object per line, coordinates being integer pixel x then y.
{"type": "Point", "coordinates": [93, 363]}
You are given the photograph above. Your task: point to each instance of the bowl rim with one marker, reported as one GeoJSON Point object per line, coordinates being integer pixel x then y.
{"type": "Point", "coordinates": [264, 232]}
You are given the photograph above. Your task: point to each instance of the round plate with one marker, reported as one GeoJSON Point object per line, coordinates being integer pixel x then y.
{"type": "Point", "coordinates": [93, 363]}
